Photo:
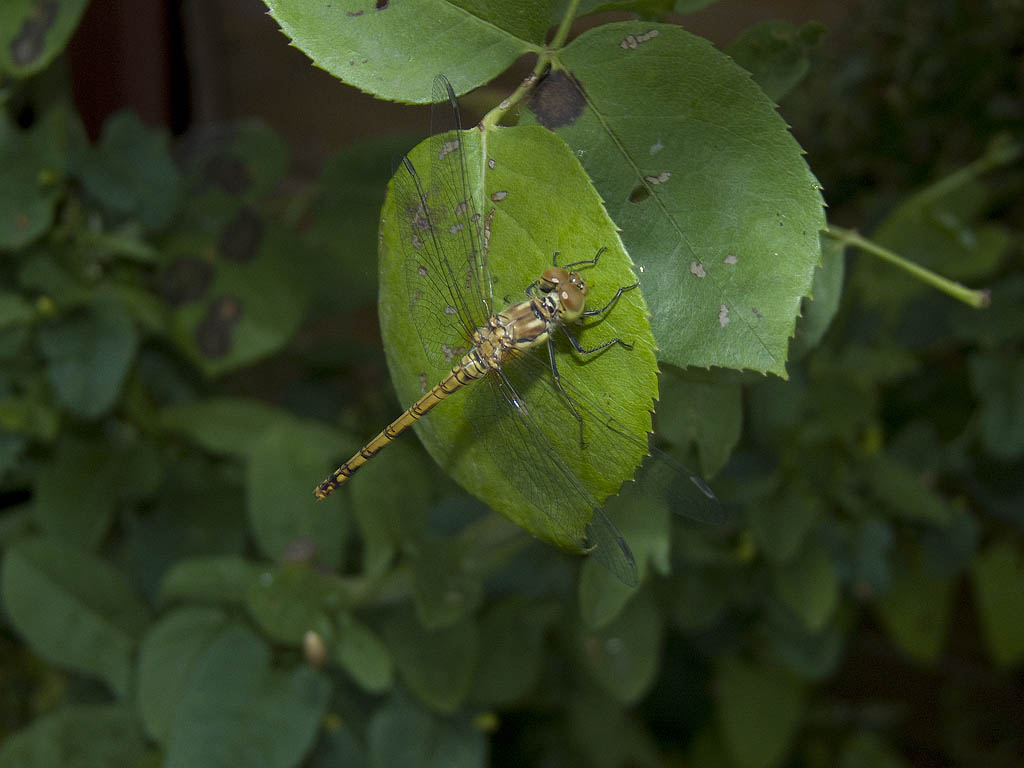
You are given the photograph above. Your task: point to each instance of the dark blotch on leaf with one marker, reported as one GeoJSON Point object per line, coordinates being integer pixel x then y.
{"type": "Point", "coordinates": [639, 194]}
{"type": "Point", "coordinates": [557, 101]}
{"type": "Point", "coordinates": [27, 45]}
{"type": "Point", "coordinates": [382, 5]}
{"type": "Point", "coordinates": [185, 279]}
{"type": "Point", "coordinates": [241, 238]}
{"type": "Point", "coordinates": [213, 334]}
{"type": "Point", "coordinates": [229, 173]}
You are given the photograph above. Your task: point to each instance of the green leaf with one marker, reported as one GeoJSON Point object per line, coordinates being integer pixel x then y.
{"type": "Point", "coordinates": [282, 508]}
{"type": "Point", "coordinates": [226, 425]}
{"type": "Point", "coordinates": [34, 32]}
{"type": "Point", "coordinates": [14, 310]}
{"type": "Point", "coordinates": [237, 710]}
{"type": "Point", "coordinates": [759, 710]}
{"type": "Point", "coordinates": [82, 736]}
{"type": "Point", "coordinates": [715, 201]}
{"type": "Point", "coordinates": [401, 733]}
{"type": "Point", "coordinates": [210, 579]}
{"type": "Point", "coordinates": [998, 578]}
{"type": "Point", "coordinates": [998, 382]}
{"type": "Point", "coordinates": [625, 654]}
{"type": "Point", "coordinates": [89, 353]}
{"type": "Point", "coordinates": [866, 748]}
{"type": "Point", "coordinates": [541, 203]}
{"type": "Point", "coordinates": [776, 53]}
{"type": "Point", "coordinates": [703, 409]}
{"type": "Point", "coordinates": [290, 601]}
{"type": "Point", "coordinates": [443, 591]}
{"type": "Point", "coordinates": [438, 665]}
{"type": "Point", "coordinates": [902, 491]}
{"type": "Point", "coordinates": [363, 655]}
{"type": "Point", "coordinates": [76, 494]}
{"type": "Point", "coordinates": [343, 232]}
{"type": "Point", "coordinates": [780, 525]}
{"type": "Point", "coordinates": [167, 656]}
{"type": "Point", "coordinates": [235, 166]}
{"type": "Point", "coordinates": [511, 650]}
{"type": "Point", "coordinates": [809, 586]}
{"type": "Point", "coordinates": [252, 307]}
{"type": "Point", "coordinates": [917, 608]}
{"type": "Point", "coordinates": [130, 172]}
{"type": "Point", "coordinates": [470, 42]}
{"type": "Point", "coordinates": [73, 609]}
{"type": "Point", "coordinates": [821, 307]}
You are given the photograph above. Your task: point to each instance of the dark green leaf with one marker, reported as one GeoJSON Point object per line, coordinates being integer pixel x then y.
{"type": "Point", "coordinates": [777, 54]}
{"type": "Point", "coordinates": [74, 609]}
{"type": "Point", "coordinates": [444, 592]}
{"type": "Point", "coordinates": [167, 656]}
{"type": "Point", "coordinates": [285, 464]}
{"type": "Point", "coordinates": [998, 578]}
{"type": "Point", "coordinates": [624, 655]}
{"type": "Point", "coordinates": [14, 310]}
{"type": "Point", "coordinates": [89, 353]}
{"type": "Point", "coordinates": [916, 609]}
{"type": "Point", "coordinates": [34, 32]}
{"type": "Point", "coordinates": [403, 734]}
{"type": "Point", "coordinates": [359, 44]}
{"type": "Point", "coordinates": [866, 748]}
{"type": "Point", "coordinates": [228, 425]}
{"type": "Point", "coordinates": [33, 163]}
{"type": "Point", "coordinates": [362, 655]}
{"type": "Point", "coordinates": [703, 409]}
{"type": "Point", "coordinates": [236, 709]}
{"type": "Point", "coordinates": [809, 586]}
{"type": "Point", "coordinates": [759, 711]}
{"type": "Point", "coordinates": [251, 308]}
{"type": "Point", "coordinates": [83, 736]}
{"type": "Point", "coordinates": [780, 525]}
{"type": "Point", "coordinates": [210, 580]}
{"type": "Point", "coordinates": [511, 650]}
{"type": "Point", "coordinates": [437, 666]}
{"type": "Point", "coordinates": [998, 382]}
{"type": "Point", "coordinates": [290, 601]}
{"type": "Point", "coordinates": [130, 172]}
{"type": "Point", "coordinates": [821, 307]}
{"type": "Point", "coordinates": [712, 193]}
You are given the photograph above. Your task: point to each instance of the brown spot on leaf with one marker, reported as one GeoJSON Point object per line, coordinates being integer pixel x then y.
{"type": "Point", "coordinates": [557, 101]}
{"type": "Point", "coordinates": [629, 42]}
{"type": "Point", "coordinates": [382, 5]}
{"type": "Point", "coordinates": [697, 269]}
{"type": "Point", "coordinates": [213, 334]}
{"type": "Point", "coordinates": [498, 196]}
{"type": "Point", "coordinates": [28, 44]}
{"type": "Point", "coordinates": [241, 238]}
{"type": "Point", "coordinates": [639, 194]}
{"type": "Point", "coordinates": [185, 279]}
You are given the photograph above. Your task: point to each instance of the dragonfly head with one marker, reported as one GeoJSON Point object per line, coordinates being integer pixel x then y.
{"type": "Point", "coordinates": [568, 289]}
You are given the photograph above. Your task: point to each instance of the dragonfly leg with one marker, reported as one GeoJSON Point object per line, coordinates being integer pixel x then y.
{"type": "Point", "coordinates": [591, 262]}
{"type": "Point", "coordinates": [610, 304]}
{"type": "Point", "coordinates": [598, 348]}
{"type": "Point", "coordinates": [558, 383]}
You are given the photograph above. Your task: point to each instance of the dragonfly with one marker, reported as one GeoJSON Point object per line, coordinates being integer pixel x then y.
{"type": "Point", "coordinates": [444, 244]}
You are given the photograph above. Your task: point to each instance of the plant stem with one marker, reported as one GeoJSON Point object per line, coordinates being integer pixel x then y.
{"type": "Point", "coordinates": [979, 299]}
{"type": "Point", "coordinates": [544, 60]}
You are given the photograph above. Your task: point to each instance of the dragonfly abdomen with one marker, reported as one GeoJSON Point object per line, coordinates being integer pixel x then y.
{"type": "Point", "coordinates": [470, 368]}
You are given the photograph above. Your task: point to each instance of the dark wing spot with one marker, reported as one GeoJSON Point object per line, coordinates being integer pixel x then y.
{"type": "Point", "coordinates": [558, 101]}
{"type": "Point", "coordinates": [639, 194]}
{"type": "Point", "coordinates": [241, 238]}
{"type": "Point", "coordinates": [28, 44]}
{"type": "Point", "coordinates": [185, 279]}
{"type": "Point", "coordinates": [213, 334]}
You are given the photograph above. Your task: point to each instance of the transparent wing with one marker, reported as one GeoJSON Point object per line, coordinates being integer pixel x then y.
{"type": "Point", "coordinates": [439, 236]}
{"type": "Point", "coordinates": [660, 476]}
{"type": "Point", "coordinates": [546, 482]}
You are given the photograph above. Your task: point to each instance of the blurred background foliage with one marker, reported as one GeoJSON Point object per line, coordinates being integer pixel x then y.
{"type": "Point", "coordinates": [188, 342]}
